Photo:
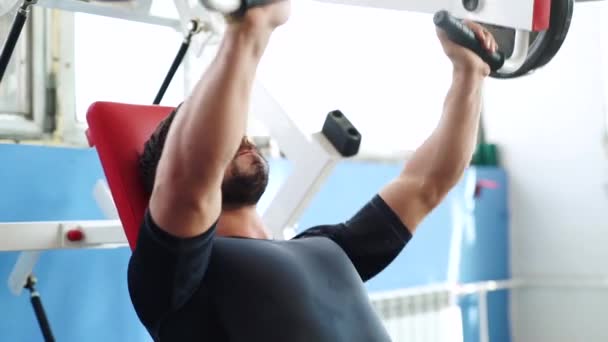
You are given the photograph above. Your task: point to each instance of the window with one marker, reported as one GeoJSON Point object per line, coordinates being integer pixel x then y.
{"type": "Point", "coordinates": [116, 60]}
{"type": "Point", "coordinates": [15, 90]}
{"type": "Point", "coordinates": [22, 102]}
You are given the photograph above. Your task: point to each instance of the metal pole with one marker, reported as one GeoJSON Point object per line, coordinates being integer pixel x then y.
{"type": "Point", "coordinates": [45, 327]}
{"type": "Point", "coordinates": [176, 62]}
{"type": "Point", "coordinates": [484, 332]}
{"type": "Point", "coordinates": [13, 36]}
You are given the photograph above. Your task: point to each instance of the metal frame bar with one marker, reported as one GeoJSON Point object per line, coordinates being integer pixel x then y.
{"type": "Point", "coordinates": [484, 326]}
{"type": "Point", "coordinates": [140, 13]}
{"type": "Point", "coordinates": [95, 234]}
{"type": "Point", "coordinates": [72, 131]}
{"type": "Point", "coordinates": [313, 159]}
{"type": "Point", "coordinates": [520, 52]}
{"type": "Point", "coordinates": [47, 235]}
{"type": "Point", "coordinates": [103, 197]}
{"type": "Point", "coordinates": [518, 14]}
{"type": "Point", "coordinates": [22, 270]}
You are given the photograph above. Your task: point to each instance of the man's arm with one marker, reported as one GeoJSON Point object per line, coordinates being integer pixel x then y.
{"type": "Point", "coordinates": [441, 160]}
{"type": "Point", "coordinates": [206, 133]}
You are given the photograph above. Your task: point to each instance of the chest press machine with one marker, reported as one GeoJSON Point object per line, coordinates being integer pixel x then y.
{"type": "Point", "coordinates": [529, 34]}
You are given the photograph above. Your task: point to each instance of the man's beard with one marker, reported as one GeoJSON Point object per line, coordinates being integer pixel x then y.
{"type": "Point", "coordinates": [245, 188]}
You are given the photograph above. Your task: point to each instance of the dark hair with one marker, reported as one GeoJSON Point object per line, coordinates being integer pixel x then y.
{"type": "Point", "coordinates": [153, 148]}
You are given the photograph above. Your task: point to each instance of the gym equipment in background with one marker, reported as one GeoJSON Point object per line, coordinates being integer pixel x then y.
{"type": "Point", "coordinates": [529, 32]}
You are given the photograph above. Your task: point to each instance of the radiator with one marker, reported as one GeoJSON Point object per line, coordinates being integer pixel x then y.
{"type": "Point", "coordinates": [422, 317]}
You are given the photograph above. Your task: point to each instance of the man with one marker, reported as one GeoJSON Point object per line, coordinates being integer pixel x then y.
{"type": "Point", "coordinates": [204, 268]}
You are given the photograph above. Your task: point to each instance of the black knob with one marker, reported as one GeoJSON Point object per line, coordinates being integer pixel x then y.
{"type": "Point", "coordinates": [470, 5]}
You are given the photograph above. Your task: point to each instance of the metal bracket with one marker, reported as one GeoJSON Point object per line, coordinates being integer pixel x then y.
{"type": "Point", "coordinates": [313, 159]}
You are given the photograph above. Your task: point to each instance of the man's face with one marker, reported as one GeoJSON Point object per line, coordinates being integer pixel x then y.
{"type": "Point", "coordinates": [246, 177]}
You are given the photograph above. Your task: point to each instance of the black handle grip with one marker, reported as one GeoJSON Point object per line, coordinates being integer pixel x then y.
{"type": "Point", "coordinates": [462, 35]}
{"type": "Point", "coordinates": [342, 134]}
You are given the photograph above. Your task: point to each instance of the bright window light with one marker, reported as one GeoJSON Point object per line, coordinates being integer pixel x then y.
{"type": "Point", "coordinates": [384, 69]}
{"type": "Point", "coordinates": [123, 61]}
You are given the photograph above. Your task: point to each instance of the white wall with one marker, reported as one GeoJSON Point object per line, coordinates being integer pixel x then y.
{"type": "Point", "coordinates": [550, 127]}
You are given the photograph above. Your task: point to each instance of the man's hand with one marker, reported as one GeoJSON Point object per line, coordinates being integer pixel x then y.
{"type": "Point", "coordinates": [464, 59]}
{"type": "Point", "coordinates": [269, 16]}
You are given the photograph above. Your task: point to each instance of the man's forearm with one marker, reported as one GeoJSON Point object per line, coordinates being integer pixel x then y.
{"type": "Point", "coordinates": [443, 157]}
{"type": "Point", "coordinates": [212, 121]}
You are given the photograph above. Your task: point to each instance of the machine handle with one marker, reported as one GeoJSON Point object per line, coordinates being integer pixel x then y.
{"type": "Point", "coordinates": [462, 35]}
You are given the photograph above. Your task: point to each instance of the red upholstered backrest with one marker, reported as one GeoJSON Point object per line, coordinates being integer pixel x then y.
{"type": "Point", "coordinates": [119, 132]}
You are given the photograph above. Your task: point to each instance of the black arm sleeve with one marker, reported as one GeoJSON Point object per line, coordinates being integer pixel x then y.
{"type": "Point", "coordinates": [372, 238]}
{"type": "Point", "coordinates": [164, 272]}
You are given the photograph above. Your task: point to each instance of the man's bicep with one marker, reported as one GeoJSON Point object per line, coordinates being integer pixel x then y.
{"type": "Point", "coordinates": [184, 212]}
{"type": "Point", "coordinates": [411, 199]}
{"type": "Point", "coordinates": [186, 200]}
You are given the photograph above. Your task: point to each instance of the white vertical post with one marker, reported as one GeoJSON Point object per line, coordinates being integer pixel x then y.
{"type": "Point", "coordinates": [484, 334]}
{"type": "Point", "coordinates": [103, 197]}
{"type": "Point", "coordinates": [22, 270]}
{"type": "Point", "coordinates": [313, 159]}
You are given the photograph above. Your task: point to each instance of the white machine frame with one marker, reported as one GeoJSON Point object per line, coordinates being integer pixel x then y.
{"type": "Point", "coordinates": [142, 11]}
{"type": "Point", "coordinates": [518, 14]}
{"type": "Point", "coordinates": [139, 11]}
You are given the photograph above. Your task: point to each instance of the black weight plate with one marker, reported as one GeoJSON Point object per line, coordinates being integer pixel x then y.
{"type": "Point", "coordinates": [544, 44]}
{"type": "Point", "coordinates": [505, 37]}
{"type": "Point", "coordinates": [558, 36]}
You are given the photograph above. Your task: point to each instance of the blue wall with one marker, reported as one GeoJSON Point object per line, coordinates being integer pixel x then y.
{"type": "Point", "coordinates": [84, 291]}
{"type": "Point", "coordinates": [464, 240]}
